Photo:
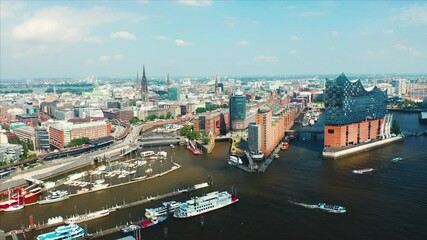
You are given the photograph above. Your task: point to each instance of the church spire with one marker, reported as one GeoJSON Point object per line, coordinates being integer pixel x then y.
{"type": "Point", "coordinates": [168, 81]}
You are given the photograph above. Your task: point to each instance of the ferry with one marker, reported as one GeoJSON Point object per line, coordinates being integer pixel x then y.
{"type": "Point", "coordinates": [207, 203]}
{"type": "Point", "coordinates": [71, 231]}
{"type": "Point", "coordinates": [234, 160]}
{"type": "Point", "coordinates": [167, 207]}
{"type": "Point", "coordinates": [152, 221]}
{"type": "Point", "coordinates": [55, 196]}
{"type": "Point", "coordinates": [148, 154]}
{"type": "Point", "coordinates": [284, 145]}
{"type": "Point", "coordinates": [331, 208]}
{"type": "Point", "coordinates": [87, 217]}
{"type": "Point", "coordinates": [396, 159]}
{"type": "Point", "coordinates": [363, 170]}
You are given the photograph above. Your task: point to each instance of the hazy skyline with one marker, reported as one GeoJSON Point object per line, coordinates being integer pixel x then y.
{"type": "Point", "coordinates": [184, 38]}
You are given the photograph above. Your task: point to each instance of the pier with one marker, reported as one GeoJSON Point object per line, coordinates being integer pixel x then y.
{"type": "Point", "coordinates": [269, 159]}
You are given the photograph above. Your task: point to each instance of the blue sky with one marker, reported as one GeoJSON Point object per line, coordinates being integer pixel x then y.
{"type": "Point", "coordinates": [190, 38]}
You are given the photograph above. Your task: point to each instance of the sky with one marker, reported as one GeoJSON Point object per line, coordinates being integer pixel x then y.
{"type": "Point", "coordinates": [42, 39]}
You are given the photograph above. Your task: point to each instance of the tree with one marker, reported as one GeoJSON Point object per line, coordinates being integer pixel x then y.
{"type": "Point", "coordinates": [185, 130]}
{"type": "Point", "coordinates": [201, 110]}
{"type": "Point", "coordinates": [168, 115]}
{"type": "Point", "coordinates": [193, 135]}
{"type": "Point", "coordinates": [151, 117]}
{"type": "Point", "coordinates": [134, 120]}
{"type": "Point", "coordinates": [78, 141]}
{"type": "Point", "coordinates": [162, 116]}
{"type": "Point", "coordinates": [224, 105]}
{"type": "Point", "coordinates": [206, 140]}
{"type": "Point", "coordinates": [132, 103]}
{"type": "Point", "coordinates": [395, 128]}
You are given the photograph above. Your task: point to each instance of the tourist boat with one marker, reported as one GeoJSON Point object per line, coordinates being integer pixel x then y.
{"type": "Point", "coordinates": [87, 217]}
{"type": "Point", "coordinates": [28, 195]}
{"type": "Point", "coordinates": [331, 208]}
{"type": "Point", "coordinates": [396, 159]}
{"type": "Point", "coordinates": [99, 186]}
{"type": "Point", "coordinates": [152, 221]}
{"type": "Point", "coordinates": [55, 196]}
{"type": "Point", "coordinates": [234, 160]}
{"type": "Point", "coordinates": [284, 145]}
{"type": "Point", "coordinates": [167, 207]}
{"type": "Point", "coordinates": [207, 203]}
{"type": "Point", "coordinates": [71, 231]}
{"type": "Point", "coordinates": [130, 228]}
{"type": "Point", "coordinates": [363, 170]}
{"type": "Point", "coordinates": [147, 154]}
{"type": "Point", "coordinates": [55, 220]}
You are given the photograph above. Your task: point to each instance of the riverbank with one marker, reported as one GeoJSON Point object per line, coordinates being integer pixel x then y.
{"type": "Point", "coordinates": [336, 153]}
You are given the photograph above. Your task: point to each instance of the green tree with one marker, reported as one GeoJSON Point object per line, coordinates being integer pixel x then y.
{"type": "Point", "coordinates": [168, 115]}
{"type": "Point", "coordinates": [224, 105]}
{"type": "Point", "coordinates": [395, 128]}
{"type": "Point", "coordinates": [185, 130]}
{"type": "Point", "coordinates": [206, 140]}
{"type": "Point", "coordinates": [78, 141]}
{"type": "Point", "coordinates": [193, 135]}
{"type": "Point", "coordinates": [162, 116]}
{"type": "Point", "coordinates": [132, 103]}
{"type": "Point", "coordinates": [134, 120]}
{"type": "Point", "coordinates": [201, 110]}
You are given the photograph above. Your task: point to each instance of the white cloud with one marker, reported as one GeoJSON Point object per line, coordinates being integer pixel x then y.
{"type": "Point", "coordinates": [90, 62]}
{"type": "Point", "coordinates": [195, 2]}
{"type": "Point", "coordinates": [60, 24]}
{"type": "Point", "coordinates": [242, 43]}
{"type": "Point", "coordinates": [107, 58]}
{"type": "Point", "coordinates": [9, 8]}
{"type": "Point", "coordinates": [122, 35]}
{"type": "Point", "coordinates": [294, 52]}
{"type": "Point", "coordinates": [407, 49]}
{"type": "Point", "coordinates": [263, 58]}
{"type": "Point", "coordinates": [181, 42]}
{"type": "Point", "coordinates": [388, 31]}
{"type": "Point", "coordinates": [335, 33]}
{"type": "Point", "coordinates": [416, 14]}
{"type": "Point", "coordinates": [295, 38]}
{"type": "Point", "coordinates": [158, 37]}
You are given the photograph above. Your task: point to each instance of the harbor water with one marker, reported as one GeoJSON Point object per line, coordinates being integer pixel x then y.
{"type": "Point", "coordinates": [387, 203]}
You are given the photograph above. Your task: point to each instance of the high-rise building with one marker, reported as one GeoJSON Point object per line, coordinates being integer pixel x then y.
{"type": "Point", "coordinates": [221, 86]}
{"type": "Point", "coordinates": [42, 139]}
{"type": "Point", "coordinates": [144, 86]}
{"type": "Point", "coordinates": [254, 137]}
{"type": "Point", "coordinates": [354, 114]}
{"type": "Point", "coordinates": [174, 94]}
{"type": "Point", "coordinates": [237, 107]}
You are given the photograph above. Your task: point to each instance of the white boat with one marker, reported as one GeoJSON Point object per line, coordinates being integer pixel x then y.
{"type": "Point", "coordinates": [311, 122]}
{"type": "Point", "coordinates": [162, 155]}
{"type": "Point", "coordinates": [141, 163]}
{"type": "Point", "coordinates": [331, 208]}
{"type": "Point", "coordinates": [87, 217]}
{"type": "Point", "coordinates": [99, 186]}
{"type": "Point", "coordinates": [149, 170]}
{"type": "Point", "coordinates": [207, 203]}
{"type": "Point", "coordinates": [132, 172]}
{"type": "Point", "coordinates": [167, 207]}
{"type": "Point", "coordinates": [234, 160]}
{"type": "Point", "coordinates": [138, 178]}
{"type": "Point", "coordinates": [363, 170]}
{"type": "Point", "coordinates": [396, 159]}
{"type": "Point", "coordinates": [55, 196]}
{"type": "Point", "coordinates": [99, 181]}
{"type": "Point", "coordinates": [54, 220]}
{"type": "Point", "coordinates": [172, 146]}
{"type": "Point", "coordinates": [14, 208]}
{"type": "Point", "coordinates": [147, 154]}
{"type": "Point", "coordinates": [83, 190]}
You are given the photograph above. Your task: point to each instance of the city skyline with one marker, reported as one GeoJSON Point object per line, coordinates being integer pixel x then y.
{"type": "Point", "coordinates": [204, 38]}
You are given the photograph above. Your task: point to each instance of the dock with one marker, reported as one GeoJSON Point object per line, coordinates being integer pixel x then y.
{"type": "Point", "coordinates": [269, 159]}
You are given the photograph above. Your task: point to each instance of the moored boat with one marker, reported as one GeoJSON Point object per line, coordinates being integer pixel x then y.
{"type": "Point", "coordinates": [152, 221]}
{"type": "Point", "coordinates": [147, 154]}
{"type": "Point", "coordinates": [331, 208]}
{"type": "Point", "coordinates": [71, 231]}
{"type": "Point", "coordinates": [166, 208]}
{"type": "Point", "coordinates": [284, 145]}
{"type": "Point", "coordinates": [207, 203]}
{"type": "Point", "coordinates": [55, 196]}
{"type": "Point", "coordinates": [234, 160]}
{"type": "Point", "coordinates": [87, 217]}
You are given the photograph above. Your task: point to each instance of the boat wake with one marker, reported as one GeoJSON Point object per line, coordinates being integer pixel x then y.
{"type": "Point", "coordinates": [311, 206]}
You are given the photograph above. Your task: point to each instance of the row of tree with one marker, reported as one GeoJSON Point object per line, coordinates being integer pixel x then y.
{"type": "Point", "coordinates": [151, 117]}
{"type": "Point", "coordinates": [211, 108]}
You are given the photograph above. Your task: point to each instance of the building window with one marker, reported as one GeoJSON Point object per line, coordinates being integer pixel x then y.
{"type": "Point", "coordinates": [331, 131]}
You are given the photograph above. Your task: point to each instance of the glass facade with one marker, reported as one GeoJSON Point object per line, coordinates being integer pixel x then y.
{"type": "Point", "coordinates": [238, 107]}
{"type": "Point", "coordinates": [173, 94]}
{"type": "Point", "coordinates": [349, 102]}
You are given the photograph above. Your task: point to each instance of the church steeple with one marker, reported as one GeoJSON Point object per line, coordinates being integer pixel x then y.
{"type": "Point", "coordinates": [168, 81]}
{"type": "Point", "coordinates": [138, 84]}
{"type": "Point", "coordinates": [144, 85]}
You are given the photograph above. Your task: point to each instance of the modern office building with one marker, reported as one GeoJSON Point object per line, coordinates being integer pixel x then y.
{"type": "Point", "coordinates": [254, 137]}
{"type": "Point", "coordinates": [237, 107]}
{"type": "Point", "coordinates": [215, 122]}
{"type": "Point", "coordinates": [354, 114]}
{"type": "Point", "coordinates": [63, 114]}
{"type": "Point", "coordinates": [61, 135]}
{"type": "Point", "coordinates": [42, 139]}
{"type": "Point", "coordinates": [174, 94]}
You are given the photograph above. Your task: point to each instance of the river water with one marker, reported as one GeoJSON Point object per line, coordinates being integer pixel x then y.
{"type": "Point", "coordinates": [388, 203]}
